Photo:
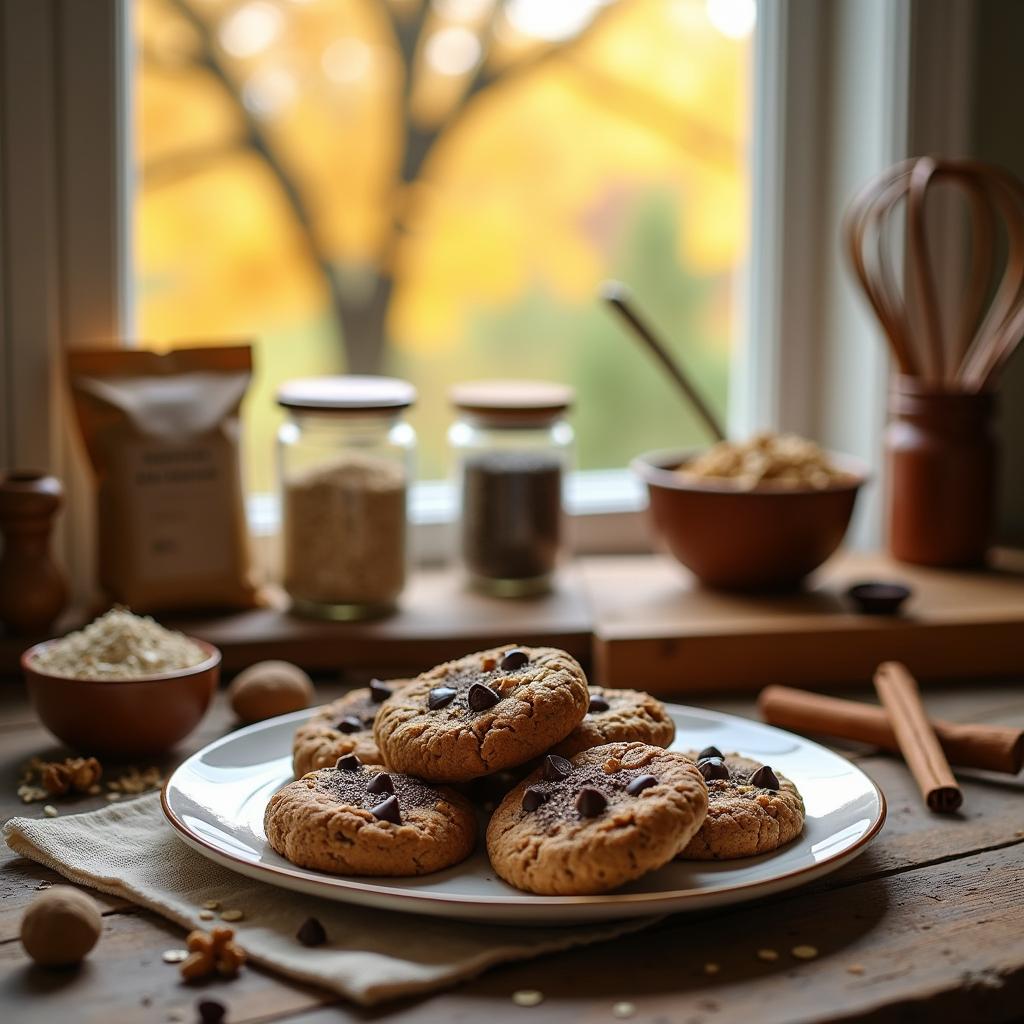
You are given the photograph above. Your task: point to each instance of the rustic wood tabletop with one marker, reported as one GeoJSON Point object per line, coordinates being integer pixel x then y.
{"type": "Point", "coordinates": [928, 924]}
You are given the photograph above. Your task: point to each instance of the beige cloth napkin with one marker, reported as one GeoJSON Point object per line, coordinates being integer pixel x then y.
{"type": "Point", "coordinates": [129, 850]}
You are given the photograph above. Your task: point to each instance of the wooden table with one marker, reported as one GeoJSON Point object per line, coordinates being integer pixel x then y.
{"type": "Point", "coordinates": [928, 924]}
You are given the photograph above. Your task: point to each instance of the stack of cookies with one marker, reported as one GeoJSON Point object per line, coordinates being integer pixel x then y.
{"type": "Point", "coordinates": [391, 779]}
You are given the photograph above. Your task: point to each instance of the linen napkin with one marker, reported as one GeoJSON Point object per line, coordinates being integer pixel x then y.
{"type": "Point", "coordinates": [129, 850]}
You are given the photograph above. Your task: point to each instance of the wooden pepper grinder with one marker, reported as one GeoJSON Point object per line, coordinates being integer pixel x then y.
{"type": "Point", "coordinates": [33, 590]}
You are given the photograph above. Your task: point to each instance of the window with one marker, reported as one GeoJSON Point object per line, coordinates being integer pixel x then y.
{"type": "Point", "coordinates": [436, 191]}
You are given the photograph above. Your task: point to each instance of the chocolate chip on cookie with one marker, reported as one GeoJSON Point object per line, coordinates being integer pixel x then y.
{"type": "Point", "coordinates": [532, 799]}
{"type": "Point", "coordinates": [556, 768]}
{"type": "Point", "coordinates": [640, 783]}
{"type": "Point", "coordinates": [388, 811]}
{"type": "Point", "coordinates": [379, 692]}
{"type": "Point", "coordinates": [348, 763]}
{"type": "Point", "coordinates": [590, 802]}
{"type": "Point", "coordinates": [380, 784]}
{"type": "Point", "coordinates": [597, 704]}
{"type": "Point", "coordinates": [765, 778]}
{"type": "Point", "coordinates": [349, 724]}
{"type": "Point", "coordinates": [480, 714]}
{"type": "Point", "coordinates": [710, 752]}
{"type": "Point", "coordinates": [713, 768]}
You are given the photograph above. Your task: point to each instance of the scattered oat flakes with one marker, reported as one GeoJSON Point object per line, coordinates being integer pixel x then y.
{"type": "Point", "coordinates": [113, 796]}
{"type": "Point", "coordinates": [206, 915]}
{"type": "Point", "coordinates": [711, 968]}
{"type": "Point", "coordinates": [95, 790]}
{"type": "Point", "coordinates": [43, 885]}
{"type": "Point", "coordinates": [50, 811]}
{"type": "Point", "coordinates": [768, 954]}
{"type": "Point", "coordinates": [174, 956]}
{"type": "Point", "coordinates": [29, 794]}
{"type": "Point", "coordinates": [232, 915]}
{"type": "Point", "coordinates": [855, 969]}
{"type": "Point", "coordinates": [623, 1010]}
{"type": "Point", "coordinates": [211, 905]}
{"type": "Point", "coordinates": [804, 952]}
{"type": "Point", "coordinates": [528, 997]}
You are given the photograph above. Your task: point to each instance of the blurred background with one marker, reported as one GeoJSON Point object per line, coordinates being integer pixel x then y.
{"type": "Point", "coordinates": [435, 190]}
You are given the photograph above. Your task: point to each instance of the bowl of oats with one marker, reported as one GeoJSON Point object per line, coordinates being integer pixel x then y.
{"type": "Point", "coordinates": [755, 515]}
{"type": "Point", "coordinates": [124, 686]}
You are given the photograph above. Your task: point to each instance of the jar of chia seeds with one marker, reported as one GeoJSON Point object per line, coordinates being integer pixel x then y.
{"type": "Point", "coordinates": [512, 448]}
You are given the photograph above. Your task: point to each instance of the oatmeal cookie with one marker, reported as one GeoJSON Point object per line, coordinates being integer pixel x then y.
{"type": "Point", "coordinates": [752, 809]}
{"type": "Point", "coordinates": [591, 824]}
{"type": "Point", "coordinates": [619, 716]}
{"type": "Point", "coordinates": [345, 726]}
{"type": "Point", "coordinates": [357, 819]}
{"type": "Point", "coordinates": [482, 713]}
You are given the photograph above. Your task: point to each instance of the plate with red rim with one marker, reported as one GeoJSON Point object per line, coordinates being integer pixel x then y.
{"type": "Point", "coordinates": [216, 798]}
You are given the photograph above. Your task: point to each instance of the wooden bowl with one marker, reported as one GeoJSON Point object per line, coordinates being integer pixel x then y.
{"type": "Point", "coordinates": [124, 718]}
{"type": "Point", "coordinates": [764, 539]}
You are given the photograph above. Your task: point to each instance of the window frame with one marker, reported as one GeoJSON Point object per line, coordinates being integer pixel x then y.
{"type": "Point", "coordinates": [807, 357]}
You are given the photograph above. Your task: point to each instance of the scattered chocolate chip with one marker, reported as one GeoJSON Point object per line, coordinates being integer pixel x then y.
{"type": "Point", "coordinates": [439, 697]}
{"type": "Point", "coordinates": [590, 802]}
{"type": "Point", "coordinates": [556, 768]}
{"type": "Point", "coordinates": [349, 724]}
{"type": "Point", "coordinates": [597, 704]}
{"type": "Point", "coordinates": [765, 778]}
{"type": "Point", "coordinates": [514, 659]}
{"type": "Point", "coordinates": [348, 763]}
{"type": "Point", "coordinates": [713, 768]}
{"type": "Point", "coordinates": [533, 798]}
{"type": "Point", "coordinates": [481, 697]}
{"type": "Point", "coordinates": [211, 1011]}
{"type": "Point", "coordinates": [640, 783]}
{"type": "Point", "coordinates": [311, 932]}
{"type": "Point", "coordinates": [379, 692]}
{"type": "Point", "coordinates": [388, 811]}
{"type": "Point", "coordinates": [381, 784]}
{"type": "Point", "coordinates": [710, 752]}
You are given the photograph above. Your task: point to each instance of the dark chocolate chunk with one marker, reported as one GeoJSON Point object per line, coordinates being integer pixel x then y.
{"type": "Point", "coordinates": [710, 752]}
{"type": "Point", "coordinates": [640, 783]}
{"type": "Point", "coordinates": [211, 1011]}
{"type": "Point", "coordinates": [713, 768]}
{"type": "Point", "coordinates": [556, 768]}
{"type": "Point", "coordinates": [514, 659]}
{"type": "Point", "coordinates": [765, 778]}
{"type": "Point", "coordinates": [439, 697]}
{"type": "Point", "coordinates": [349, 724]}
{"type": "Point", "coordinates": [381, 784]}
{"type": "Point", "coordinates": [311, 932]}
{"type": "Point", "coordinates": [590, 802]}
{"type": "Point", "coordinates": [481, 697]}
{"type": "Point", "coordinates": [388, 811]}
{"type": "Point", "coordinates": [533, 798]}
{"type": "Point", "coordinates": [379, 692]}
{"type": "Point", "coordinates": [348, 763]}
{"type": "Point", "coordinates": [598, 703]}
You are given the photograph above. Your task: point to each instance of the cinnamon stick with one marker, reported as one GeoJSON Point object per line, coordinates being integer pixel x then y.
{"type": "Point", "coordinates": [897, 689]}
{"type": "Point", "coordinates": [995, 748]}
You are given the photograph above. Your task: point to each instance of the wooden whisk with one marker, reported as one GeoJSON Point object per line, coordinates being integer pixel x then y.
{"type": "Point", "coordinates": [970, 353]}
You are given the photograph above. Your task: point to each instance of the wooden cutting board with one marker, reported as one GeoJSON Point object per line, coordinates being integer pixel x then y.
{"type": "Point", "coordinates": [656, 627]}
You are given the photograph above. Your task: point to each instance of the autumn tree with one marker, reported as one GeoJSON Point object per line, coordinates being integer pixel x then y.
{"type": "Point", "coordinates": [449, 56]}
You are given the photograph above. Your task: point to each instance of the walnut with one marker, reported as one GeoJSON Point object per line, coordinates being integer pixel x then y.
{"type": "Point", "coordinates": [79, 774]}
{"type": "Point", "coordinates": [212, 952]}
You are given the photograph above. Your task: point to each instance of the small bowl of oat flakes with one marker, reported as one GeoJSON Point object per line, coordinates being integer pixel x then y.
{"type": "Point", "coordinates": [756, 515]}
{"type": "Point", "coordinates": [124, 686]}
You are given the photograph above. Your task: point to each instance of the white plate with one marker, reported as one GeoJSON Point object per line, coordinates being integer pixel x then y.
{"type": "Point", "coordinates": [216, 800]}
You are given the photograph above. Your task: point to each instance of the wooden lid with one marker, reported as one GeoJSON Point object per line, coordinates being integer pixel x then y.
{"type": "Point", "coordinates": [512, 401]}
{"type": "Point", "coordinates": [346, 394]}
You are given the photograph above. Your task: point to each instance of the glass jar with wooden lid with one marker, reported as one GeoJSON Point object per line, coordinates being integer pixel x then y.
{"type": "Point", "coordinates": [345, 463]}
{"type": "Point", "coordinates": [512, 448]}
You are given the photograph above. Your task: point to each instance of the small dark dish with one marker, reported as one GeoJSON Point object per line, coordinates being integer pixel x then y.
{"type": "Point", "coordinates": [768, 538]}
{"type": "Point", "coordinates": [877, 597]}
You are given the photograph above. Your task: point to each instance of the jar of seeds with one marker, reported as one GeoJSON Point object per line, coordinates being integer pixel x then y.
{"type": "Point", "coordinates": [345, 462]}
{"type": "Point", "coordinates": [512, 449]}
